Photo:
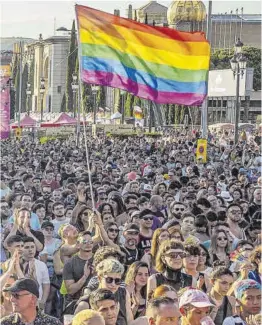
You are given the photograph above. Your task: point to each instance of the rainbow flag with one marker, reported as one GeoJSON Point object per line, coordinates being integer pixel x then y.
{"type": "Point", "coordinates": [155, 63]}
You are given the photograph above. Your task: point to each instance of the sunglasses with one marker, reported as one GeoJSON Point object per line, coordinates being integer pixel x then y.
{"type": "Point", "coordinates": [179, 209]}
{"type": "Point", "coordinates": [176, 255]}
{"type": "Point", "coordinates": [147, 218]}
{"type": "Point", "coordinates": [17, 296]}
{"type": "Point", "coordinates": [134, 233]}
{"type": "Point", "coordinates": [110, 280]}
{"type": "Point", "coordinates": [221, 238]}
{"type": "Point", "coordinates": [86, 242]}
{"type": "Point", "coordinates": [113, 230]}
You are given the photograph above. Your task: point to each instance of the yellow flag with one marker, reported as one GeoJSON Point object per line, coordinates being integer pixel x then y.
{"type": "Point", "coordinates": [18, 133]}
{"type": "Point", "coordinates": [201, 152]}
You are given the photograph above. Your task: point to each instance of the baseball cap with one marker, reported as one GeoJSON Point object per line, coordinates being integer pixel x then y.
{"type": "Point", "coordinates": [147, 188]}
{"type": "Point", "coordinates": [131, 226]}
{"type": "Point", "coordinates": [24, 284]}
{"type": "Point", "coordinates": [195, 298]}
{"type": "Point", "coordinates": [131, 176]}
{"type": "Point", "coordinates": [46, 224]}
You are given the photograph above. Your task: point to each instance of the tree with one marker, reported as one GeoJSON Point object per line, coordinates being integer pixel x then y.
{"type": "Point", "coordinates": [12, 91]}
{"type": "Point", "coordinates": [101, 97]}
{"type": "Point", "coordinates": [129, 104]}
{"type": "Point", "coordinates": [31, 81]}
{"type": "Point", "coordinates": [24, 87]}
{"type": "Point", "coordinates": [71, 68]}
{"type": "Point", "coordinates": [220, 59]}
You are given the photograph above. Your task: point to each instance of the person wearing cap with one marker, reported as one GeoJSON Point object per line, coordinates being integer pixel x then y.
{"type": "Point", "coordinates": [47, 255]}
{"type": "Point", "coordinates": [24, 297]}
{"type": "Point", "coordinates": [248, 296]}
{"type": "Point", "coordinates": [131, 240]}
{"type": "Point", "coordinates": [194, 305]}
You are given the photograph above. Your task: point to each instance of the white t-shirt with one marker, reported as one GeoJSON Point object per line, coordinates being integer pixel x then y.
{"type": "Point", "coordinates": [232, 320]}
{"type": "Point", "coordinates": [57, 224]}
{"type": "Point", "coordinates": [42, 275]}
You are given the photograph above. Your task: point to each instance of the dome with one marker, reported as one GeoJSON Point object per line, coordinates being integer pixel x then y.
{"type": "Point", "coordinates": [62, 29]}
{"type": "Point", "coordinates": [186, 11]}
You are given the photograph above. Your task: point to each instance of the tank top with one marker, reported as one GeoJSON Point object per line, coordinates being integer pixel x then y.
{"type": "Point", "coordinates": [176, 279]}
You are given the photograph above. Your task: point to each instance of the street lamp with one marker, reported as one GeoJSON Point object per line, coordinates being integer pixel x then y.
{"type": "Point", "coordinates": [28, 94]}
{"type": "Point", "coordinates": [95, 89]}
{"type": "Point", "coordinates": [75, 87]}
{"type": "Point", "coordinates": [122, 93]}
{"type": "Point", "coordinates": [238, 66]}
{"type": "Point", "coordinates": [42, 91]}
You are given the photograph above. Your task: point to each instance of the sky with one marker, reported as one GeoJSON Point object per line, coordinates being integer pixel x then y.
{"type": "Point", "coordinates": [30, 18]}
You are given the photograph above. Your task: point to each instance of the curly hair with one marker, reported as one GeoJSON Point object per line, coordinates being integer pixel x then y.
{"type": "Point", "coordinates": [104, 253]}
{"type": "Point", "coordinates": [109, 266]}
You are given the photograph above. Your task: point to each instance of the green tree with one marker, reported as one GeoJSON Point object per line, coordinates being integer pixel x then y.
{"type": "Point", "coordinates": [101, 97]}
{"type": "Point", "coordinates": [87, 98]}
{"type": "Point", "coordinates": [220, 59]}
{"type": "Point", "coordinates": [24, 87]}
{"type": "Point", "coordinates": [13, 90]}
{"type": "Point", "coordinates": [71, 68]}
{"type": "Point", "coordinates": [31, 81]}
{"type": "Point", "coordinates": [129, 104]}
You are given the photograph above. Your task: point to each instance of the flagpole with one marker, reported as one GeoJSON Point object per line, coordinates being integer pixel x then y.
{"type": "Point", "coordinates": [204, 119]}
{"type": "Point", "coordinates": [80, 101]}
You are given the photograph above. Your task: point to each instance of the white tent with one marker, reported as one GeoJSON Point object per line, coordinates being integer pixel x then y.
{"type": "Point", "coordinates": [116, 116]}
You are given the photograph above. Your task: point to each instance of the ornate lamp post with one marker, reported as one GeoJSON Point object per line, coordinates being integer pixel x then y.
{"type": "Point", "coordinates": [238, 66]}
{"type": "Point", "coordinates": [75, 87]}
{"type": "Point", "coordinates": [28, 94]}
{"type": "Point", "coordinates": [42, 92]}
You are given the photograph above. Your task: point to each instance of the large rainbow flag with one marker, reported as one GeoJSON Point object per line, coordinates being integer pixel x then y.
{"type": "Point", "coordinates": [155, 63]}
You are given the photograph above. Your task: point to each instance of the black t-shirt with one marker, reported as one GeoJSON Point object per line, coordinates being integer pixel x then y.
{"type": "Point", "coordinates": [74, 270]}
{"type": "Point", "coordinates": [65, 176]}
{"type": "Point", "coordinates": [37, 234]}
{"type": "Point", "coordinates": [144, 244]}
{"type": "Point", "coordinates": [132, 255]}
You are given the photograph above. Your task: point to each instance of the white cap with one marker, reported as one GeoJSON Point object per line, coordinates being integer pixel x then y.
{"type": "Point", "coordinates": [195, 298]}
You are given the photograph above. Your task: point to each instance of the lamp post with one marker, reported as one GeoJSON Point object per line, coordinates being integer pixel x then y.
{"type": "Point", "coordinates": [42, 91]}
{"type": "Point", "coordinates": [75, 87]}
{"type": "Point", "coordinates": [238, 66]}
{"type": "Point", "coordinates": [95, 89]}
{"type": "Point", "coordinates": [28, 94]}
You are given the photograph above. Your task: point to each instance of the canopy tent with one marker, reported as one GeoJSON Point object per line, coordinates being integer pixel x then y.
{"type": "Point", "coordinates": [116, 116]}
{"type": "Point", "coordinates": [62, 120]}
{"type": "Point", "coordinates": [26, 122]}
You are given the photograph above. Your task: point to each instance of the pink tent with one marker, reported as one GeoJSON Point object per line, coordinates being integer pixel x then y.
{"type": "Point", "coordinates": [26, 122]}
{"type": "Point", "coordinates": [62, 120]}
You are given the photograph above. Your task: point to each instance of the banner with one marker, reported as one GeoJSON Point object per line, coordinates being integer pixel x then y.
{"type": "Point", "coordinates": [201, 152]}
{"type": "Point", "coordinates": [4, 108]}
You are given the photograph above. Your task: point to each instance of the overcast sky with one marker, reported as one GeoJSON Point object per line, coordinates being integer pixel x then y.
{"type": "Point", "coordinates": [30, 18]}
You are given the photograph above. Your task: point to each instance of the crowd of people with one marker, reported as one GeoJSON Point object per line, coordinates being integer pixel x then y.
{"type": "Point", "coordinates": [144, 235]}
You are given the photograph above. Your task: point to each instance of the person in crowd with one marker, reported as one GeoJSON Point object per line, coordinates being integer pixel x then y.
{"type": "Point", "coordinates": [219, 247]}
{"type": "Point", "coordinates": [21, 227]}
{"type": "Point", "coordinates": [169, 262]}
{"type": "Point", "coordinates": [6, 307]}
{"type": "Point", "coordinates": [225, 305]}
{"type": "Point", "coordinates": [234, 216]}
{"type": "Point", "coordinates": [89, 317]}
{"type": "Point", "coordinates": [204, 265]}
{"type": "Point", "coordinates": [78, 268]}
{"type": "Point", "coordinates": [162, 310]}
{"type": "Point", "coordinates": [131, 240]}
{"type": "Point", "coordinates": [248, 296]}
{"type": "Point", "coordinates": [110, 272]}
{"type": "Point", "coordinates": [24, 295]}
{"type": "Point", "coordinates": [165, 291]}
{"type": "Point", "coordinates": [136, 282]}
{"type": "Point", "coordinates": [195, 306]}
{"type": "Point", "coordinates": [105, 302]}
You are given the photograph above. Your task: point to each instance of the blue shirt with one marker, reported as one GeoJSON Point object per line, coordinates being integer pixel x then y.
{"type": "Point", "coordinates": [34, 221]}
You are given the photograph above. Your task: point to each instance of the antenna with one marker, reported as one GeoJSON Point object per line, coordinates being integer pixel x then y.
{"type": "Point", "coordinates": [54, 26]}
